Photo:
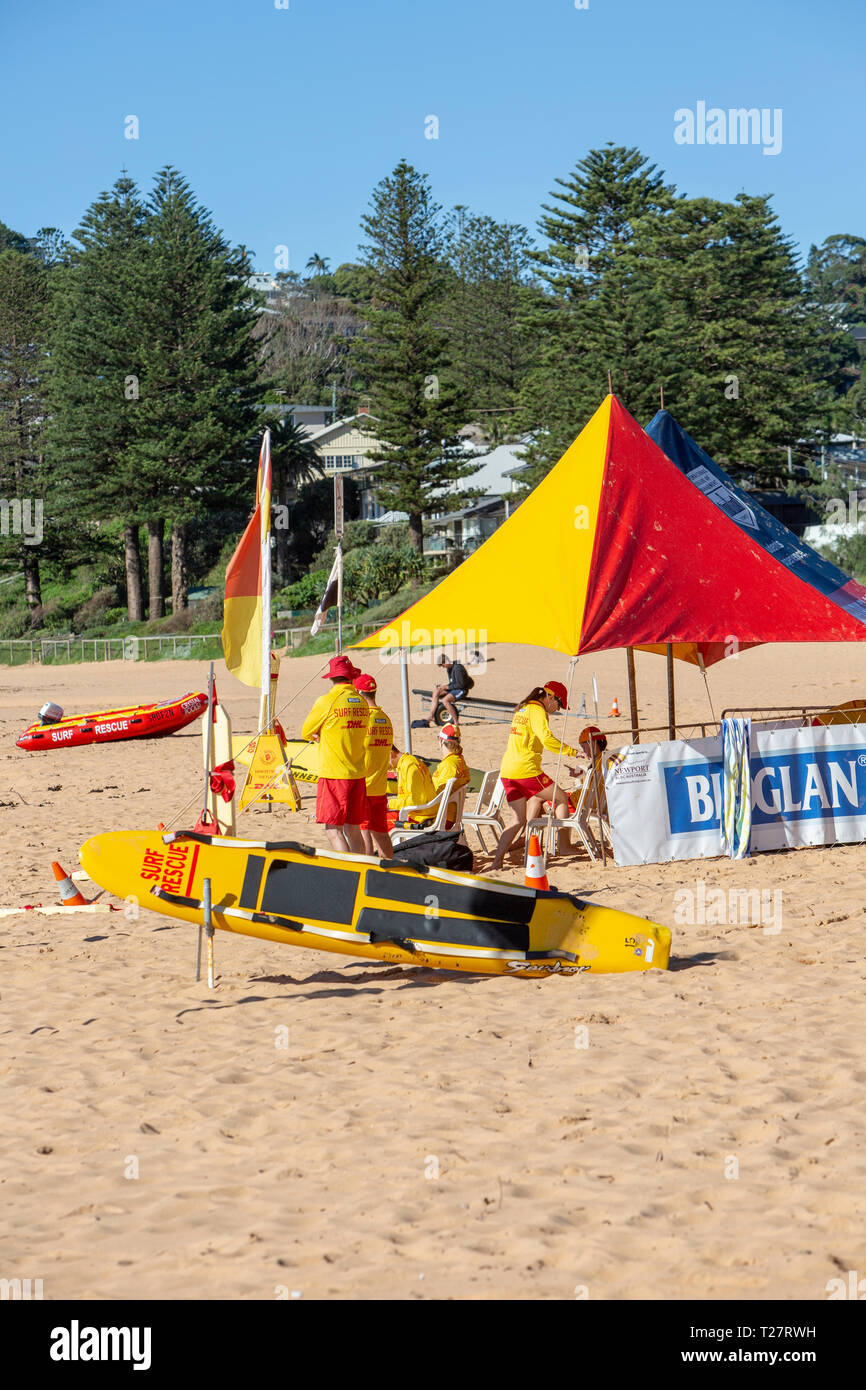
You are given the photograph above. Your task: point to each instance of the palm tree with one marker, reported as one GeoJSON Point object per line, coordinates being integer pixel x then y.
{"type": "Point", "coordinates": [294, 460]}
{"type": "Point", "coordinates": [317, 264]}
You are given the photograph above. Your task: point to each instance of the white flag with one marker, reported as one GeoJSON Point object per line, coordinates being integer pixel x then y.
{"type": "Point", "coordinates": [333, 595]}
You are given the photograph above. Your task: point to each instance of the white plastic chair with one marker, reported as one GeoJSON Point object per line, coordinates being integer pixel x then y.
{"type": "Point", "coordinates": [488, 810]}
{"type": "Point", "coordinates": [405, 830]}
{"type": "Point", "coordinates": [578, 820]}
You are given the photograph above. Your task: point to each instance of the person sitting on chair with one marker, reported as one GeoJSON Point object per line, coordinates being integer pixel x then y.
{"type": "Point", "coordinates": [452, 765]}
{"type": "Point", "coordinates": [459, 685]}
{"type": "Point", "coordinates": [414, 788]}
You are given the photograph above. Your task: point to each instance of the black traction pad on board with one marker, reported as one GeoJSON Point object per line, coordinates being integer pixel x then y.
{"type": "Point", "coordinates": [459, 931]}
{"type": "Point", "coordinates": [451, 897]}
{"type": "Point", "coordinates": [310, 892]}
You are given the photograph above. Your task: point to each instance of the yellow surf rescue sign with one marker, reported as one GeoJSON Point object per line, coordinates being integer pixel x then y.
{"type": "Point", "coordinates": [269, 777]}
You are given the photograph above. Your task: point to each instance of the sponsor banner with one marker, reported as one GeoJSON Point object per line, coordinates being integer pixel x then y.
{"type": "Point", "coordinates": [808, 788]}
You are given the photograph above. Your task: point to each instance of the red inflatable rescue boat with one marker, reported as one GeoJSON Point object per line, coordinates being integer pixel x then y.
{"type": "Point", "coordinates": [107, 726]}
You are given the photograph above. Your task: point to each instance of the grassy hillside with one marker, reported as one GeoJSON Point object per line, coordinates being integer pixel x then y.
{"type": "Point", "coordinates": [73, 610]}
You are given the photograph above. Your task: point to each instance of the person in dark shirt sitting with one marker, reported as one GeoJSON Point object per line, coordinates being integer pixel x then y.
{"type": "Point", "coordinates": [457, 688]}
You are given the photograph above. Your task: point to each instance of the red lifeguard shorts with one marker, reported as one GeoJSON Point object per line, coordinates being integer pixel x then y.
{"type": "Point", "coordinates": [341, 800]}
{"type": "Point", "coordinates": [376, 817]}
{"type": "Point", "coordinates": [522, 788]}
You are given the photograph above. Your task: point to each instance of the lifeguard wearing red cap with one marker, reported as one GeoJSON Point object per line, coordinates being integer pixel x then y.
{"type": "Point", "coordinates": [365, 682]}
{"type": "Point", "coordinates": [340, 667]}
{"type": "Point", "coordinates": [558, 689]}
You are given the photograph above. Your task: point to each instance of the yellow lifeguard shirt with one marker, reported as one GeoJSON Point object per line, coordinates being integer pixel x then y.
{"type": "Point", "coordinates": [452, 765]}
{"type": "Point", "coordinates": [340, 718]}
{"type": "Point", "coordinates": [529, 736]}
{"type": "Point", "coordinates": [380, 736]}
{"type": "Point", "coordinates": [414, 786]}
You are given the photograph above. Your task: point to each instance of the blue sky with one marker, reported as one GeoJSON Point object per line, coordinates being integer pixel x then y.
{"type": "Point", "coordinates": [283, 120]}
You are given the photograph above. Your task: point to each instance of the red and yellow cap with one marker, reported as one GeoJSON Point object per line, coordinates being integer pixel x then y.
{"type": "Point", "coordinates": [558, 689]}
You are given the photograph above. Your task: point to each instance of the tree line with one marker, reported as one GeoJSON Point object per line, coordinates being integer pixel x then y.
{"type": "Point", "coordinates": [136, 363]}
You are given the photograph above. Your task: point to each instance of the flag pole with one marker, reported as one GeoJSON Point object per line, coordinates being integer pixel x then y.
{"type": "Point", "coordinates": [340, 600]}
{"type": "Point", "coordinates": [265, 512]}
{"type": "Point", "coordinates": [338, 534]}
{"type": "Point", "coordinates": [404, 686]}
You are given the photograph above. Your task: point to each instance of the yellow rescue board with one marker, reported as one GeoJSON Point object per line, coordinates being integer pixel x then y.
{"type": "Point", "coordinates": [359, 906]}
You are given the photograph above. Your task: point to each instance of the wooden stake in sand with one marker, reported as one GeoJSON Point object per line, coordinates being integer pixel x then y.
{"type": "Point", "coordinates": [632, 694]}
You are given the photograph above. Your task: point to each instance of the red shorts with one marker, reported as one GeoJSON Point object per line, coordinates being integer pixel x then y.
{"type": "Point", "coordinates": [341, 800]}
{"type": "Point", "coordinates": [522, 788]}
{"type": "Point", "coordinates": [376, 817]}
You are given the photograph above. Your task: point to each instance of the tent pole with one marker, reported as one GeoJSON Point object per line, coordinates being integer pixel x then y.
{"type": "Point", "coordinates": [404, 685]}
{"type": "Point", "coordinates": [632, 695]}
{"type": "Point", "coordinates": [672, 707]}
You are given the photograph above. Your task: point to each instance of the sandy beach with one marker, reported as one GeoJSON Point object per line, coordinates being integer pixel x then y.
{"type": "Point", "coordinates": [322, 1127]}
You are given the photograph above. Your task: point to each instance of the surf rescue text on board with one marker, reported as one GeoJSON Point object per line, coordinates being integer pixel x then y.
{"type": "Point", "coordinates": [166, 867]}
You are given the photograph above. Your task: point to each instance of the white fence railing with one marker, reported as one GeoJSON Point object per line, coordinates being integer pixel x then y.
{"type": "Point", "coordinates": [18, 651]}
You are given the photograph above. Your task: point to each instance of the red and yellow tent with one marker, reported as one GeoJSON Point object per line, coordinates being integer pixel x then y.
{"type": "Point", "coordinates": [618, 548]}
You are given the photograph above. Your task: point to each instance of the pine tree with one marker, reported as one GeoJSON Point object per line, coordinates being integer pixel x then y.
{"type": "Point", "coordinates": [588, 323]}
{"type": "Point", "coordinates": [196, 411]}
{"type": "Point", "coordinates": [23, 330]}
{"type": "Point", "coordinates": [745, 362]}
{"type": "Point", "coordinates": [96, 348]}
{"type": "Point", "coordinates": [417, 401]}
{"type": "Point", "coordinates": [489, 264]}
{"type": "Point", "coordinates": [836, 285]}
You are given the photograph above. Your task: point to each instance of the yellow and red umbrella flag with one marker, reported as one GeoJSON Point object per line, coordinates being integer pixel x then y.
{"type": "Point", "coordinates": [246, 634]}
{"type": "Point", "coordinates": [617, 547]}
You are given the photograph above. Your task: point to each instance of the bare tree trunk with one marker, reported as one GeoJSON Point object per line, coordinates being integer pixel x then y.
{"type": "Point", "coordinates": [32, 586]}
{"type": "Point", "coordinates": [134, 604]}
{"type": "Point", "coordinates": [179, 598]}
{"type": "Point", "coordinates": [154, 568]}
{"type": "Point", "coordinates": [416, 531]}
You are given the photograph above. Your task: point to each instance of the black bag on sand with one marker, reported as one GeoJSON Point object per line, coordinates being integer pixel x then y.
{"type": "Point", "coordinates": [439, 849]}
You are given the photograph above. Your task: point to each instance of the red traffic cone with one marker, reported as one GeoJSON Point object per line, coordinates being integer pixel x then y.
{"type": "Point", "coordinates": [614, 709]}
{"type": "Point", "coordinates": [69, 894]}
{"type": "Point", "coordinates": [536, 870]}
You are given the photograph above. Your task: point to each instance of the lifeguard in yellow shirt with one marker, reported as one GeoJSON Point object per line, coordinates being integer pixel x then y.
{"type": "Point", "coordinates": [414, 788]}
{"type": "Point", "coordinates": [526, 786]}
{"type": "Point", "coordinates": [380, 737]}
{"type": "Point", "coordinates": [452, 765]}
{"type": "Point", "coordinates": [338, 722]}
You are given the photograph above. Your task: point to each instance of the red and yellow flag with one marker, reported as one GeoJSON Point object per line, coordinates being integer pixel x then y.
{"type": "Point", "coordinates": [246, 634]}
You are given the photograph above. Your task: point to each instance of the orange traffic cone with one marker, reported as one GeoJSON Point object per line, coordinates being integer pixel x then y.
{"type": "Point", "coordinates": [69, 894]}
{"type": "Point", "coordinates": [614, 709]}
{"type": "Point", "coordinates": [536, 870]}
